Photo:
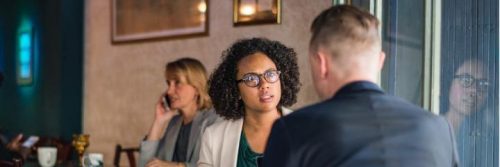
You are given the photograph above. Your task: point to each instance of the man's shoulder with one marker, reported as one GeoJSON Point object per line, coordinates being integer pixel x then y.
{"type": "Point", "coordinates": [317, 108]}
{"type": "Point", "coordinates": [337, 107]}
{"type": "Point", "coordinates": [405, 105]}
{"type": "Point", "coordinates": [308, 113]}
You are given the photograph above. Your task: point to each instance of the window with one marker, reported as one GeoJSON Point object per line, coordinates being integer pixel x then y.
{"type": "Point", "coordinates": [24, 59]}
{"type": "Point", "coordinates": [403, 42]}
{"type": "Point", "coordinates": [444, 56]}
{"type": "Point", "coordinates": [469, 78]}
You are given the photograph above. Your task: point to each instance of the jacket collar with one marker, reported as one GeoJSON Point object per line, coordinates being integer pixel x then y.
{"type": "Point", "coordinates": [232, 135]}
{"type": "Point", "coordinates": [171, 141]}
{"type": "Point", "coordinates": [358, 86]}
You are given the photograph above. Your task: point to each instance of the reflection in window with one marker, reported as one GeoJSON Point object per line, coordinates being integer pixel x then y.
{"type": "Point", "coordinates": [362, 4]}
{"type": "Point", "coordinates": [403, 43]}
{"type": "Point", "coordinates": [469, 78]}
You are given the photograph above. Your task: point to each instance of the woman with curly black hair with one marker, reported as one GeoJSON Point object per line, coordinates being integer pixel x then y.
{"type": "Point", "coordinates": [256, 79]}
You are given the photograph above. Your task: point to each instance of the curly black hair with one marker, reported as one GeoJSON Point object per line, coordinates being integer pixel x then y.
{"type": "Point", "coordinates": [223, 88]}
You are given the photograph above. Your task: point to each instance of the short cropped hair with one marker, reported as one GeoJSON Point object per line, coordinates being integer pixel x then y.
{"type": "Point", "coordinates": [224, 88]}
{"type": "Point", "coordinates": [344, 28]}
{"type": "Point", "coordinates": [196, 76]}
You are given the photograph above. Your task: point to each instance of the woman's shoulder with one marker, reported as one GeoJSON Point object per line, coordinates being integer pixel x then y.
{"type": "Point", "coordinates": [221, 125]}
{"type": "Point", "coordinates": [209, 116]}
{"type": "Point", "coordinates": [209, 112]}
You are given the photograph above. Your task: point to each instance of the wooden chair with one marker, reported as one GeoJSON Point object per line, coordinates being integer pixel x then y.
{"type": "Point", "coordinates": [130, 154]}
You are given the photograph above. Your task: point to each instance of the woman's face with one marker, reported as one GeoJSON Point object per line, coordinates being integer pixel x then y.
{"type": "Point", "coordinates": [264, 96]}
{"type": "Point", "coordinates": [468, 88]}
{"type": "Point", "coordinates": [180, 94]}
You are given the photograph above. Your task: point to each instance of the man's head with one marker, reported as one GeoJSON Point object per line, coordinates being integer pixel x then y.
{"type": "Point", "coordinates": [345, 46]}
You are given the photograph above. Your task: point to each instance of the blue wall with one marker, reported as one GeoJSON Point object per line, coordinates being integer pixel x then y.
{"type": "Point", "coordinates": [52, 104]}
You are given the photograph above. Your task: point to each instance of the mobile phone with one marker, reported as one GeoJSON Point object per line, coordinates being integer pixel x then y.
{"type": "Point", "coordinates": [165, 102]}
{"type": "Point", "coordinates": [30, 141]}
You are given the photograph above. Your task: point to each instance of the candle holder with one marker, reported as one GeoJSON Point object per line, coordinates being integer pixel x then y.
{"type": "Point", "coordinates": [80, 142]}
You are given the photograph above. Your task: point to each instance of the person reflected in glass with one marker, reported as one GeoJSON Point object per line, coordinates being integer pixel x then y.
{"type": "Point", "coordinates": [468, 91]}
{"type": "Point", "coordinates": [468, 112]}
{"type": "Point", "coordinates": [256, 79]}
{"type": "Point", "coordinates": [174, 137]}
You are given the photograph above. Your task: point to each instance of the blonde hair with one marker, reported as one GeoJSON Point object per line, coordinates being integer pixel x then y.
{"type": "Point", "coordinates": [345, 30]}
{"type": "Point", "coordinates": [196, 76]}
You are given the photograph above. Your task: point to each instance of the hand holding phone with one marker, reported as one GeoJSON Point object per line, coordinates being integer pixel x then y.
{"type": "Point", "coordinates": [163, 111]}
{"type": "Point", "coordinates": [163, 115]}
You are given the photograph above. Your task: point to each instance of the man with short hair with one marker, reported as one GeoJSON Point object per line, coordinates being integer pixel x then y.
{"type": "Point", "coordinates": [356, 124]}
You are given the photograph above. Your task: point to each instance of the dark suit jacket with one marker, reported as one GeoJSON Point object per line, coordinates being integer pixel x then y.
{"type": "Point", "coordinates": [361, 126]}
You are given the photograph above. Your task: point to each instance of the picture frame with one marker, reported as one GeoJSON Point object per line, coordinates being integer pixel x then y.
{"type": "Point", "coordinates": [134, 20]}
{"type": "Point", "coordinates": [254, 12]}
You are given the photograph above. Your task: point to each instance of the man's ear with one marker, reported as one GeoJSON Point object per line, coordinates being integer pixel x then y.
{"type": "Point", "coordinates": [324, 63]}
{"type": "Point", "coordinates": [381, 59]}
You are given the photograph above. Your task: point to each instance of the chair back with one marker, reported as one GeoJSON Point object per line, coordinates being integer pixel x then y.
{"type": "Point", "coordinates": [130, 155]}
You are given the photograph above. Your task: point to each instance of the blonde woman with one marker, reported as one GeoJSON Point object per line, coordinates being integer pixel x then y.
{"type": "Point", "coordinates": [174, 137]}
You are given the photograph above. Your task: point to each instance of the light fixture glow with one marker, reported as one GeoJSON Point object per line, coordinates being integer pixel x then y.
{"type": "Point", "coordinates": [247, 10]}
{"type": "Point", "coordinates": [24, 59]}
{"type": "Point", "coordinates": [202, 7]}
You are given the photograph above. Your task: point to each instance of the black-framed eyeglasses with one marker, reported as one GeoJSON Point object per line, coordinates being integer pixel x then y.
{"type": "Point", "coordinates": [253, 79]}
{"type": "Point", "coordinates": [466, 80]}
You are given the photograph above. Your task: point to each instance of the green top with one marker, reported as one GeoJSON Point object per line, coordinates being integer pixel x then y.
{"type": "Point", "coordinates": [246, 157]}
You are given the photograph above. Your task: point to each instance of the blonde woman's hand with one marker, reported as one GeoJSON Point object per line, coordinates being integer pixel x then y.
{"type": "Point", "coordinates": [163, 113]}
{"type": "Point", "coordinates": [163, 116]}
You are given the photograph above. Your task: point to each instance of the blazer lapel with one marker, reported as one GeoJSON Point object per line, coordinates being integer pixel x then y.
{"type": "Point", "coordinates": [171, 139]}
{"type": "Point", "coordinates": [194, 134]}
{"type": "Point", "coordinates": [285, 111]}
{"type": "Point", "coordinates": [232, 135]}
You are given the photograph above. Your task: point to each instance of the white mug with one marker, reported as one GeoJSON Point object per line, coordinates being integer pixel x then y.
{"type": "Point", "coordinates": [47, 156]}
{"type": "Point", "coordinates": [93, 160]}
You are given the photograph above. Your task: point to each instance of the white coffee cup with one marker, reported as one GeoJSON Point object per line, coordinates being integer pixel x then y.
{"type": "Point", "coordinates": [47, 156]}
{"type": "Point", "coordinates": [93, 159]}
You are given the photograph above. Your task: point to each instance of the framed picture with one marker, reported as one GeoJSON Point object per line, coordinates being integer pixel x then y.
{"type": "Point", "coordinates": [251, 12]}
{"type": "Point", "coordinates": [152, 19]}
